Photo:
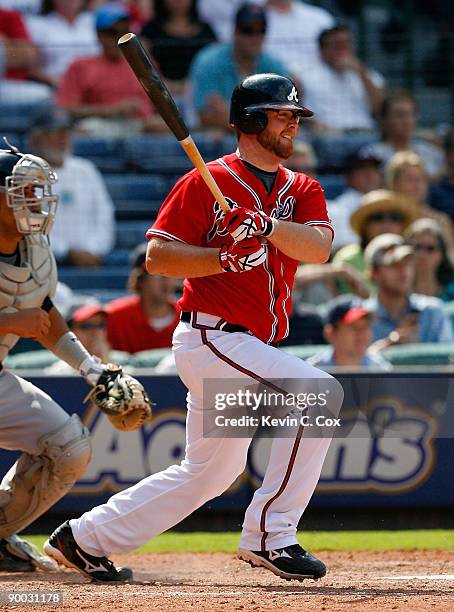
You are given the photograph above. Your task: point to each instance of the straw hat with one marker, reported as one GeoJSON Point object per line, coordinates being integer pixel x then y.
{"type": "Point", "coordinates": [383, 200]}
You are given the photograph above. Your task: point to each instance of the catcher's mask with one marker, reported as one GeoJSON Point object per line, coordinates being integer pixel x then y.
{"type": "Point", "coordinates": [259, 92]}
{"type": "Point", "coordinates": [27, 181]}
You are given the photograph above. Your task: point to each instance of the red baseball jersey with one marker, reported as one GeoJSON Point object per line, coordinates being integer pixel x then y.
{"type": "Point", "coordinates": [259, 299]}
{"type": "Point", "coordinates": [129, 330]}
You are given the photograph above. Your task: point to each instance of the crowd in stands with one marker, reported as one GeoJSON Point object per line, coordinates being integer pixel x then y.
{"type": "Point", "coordinates": [389, 184]}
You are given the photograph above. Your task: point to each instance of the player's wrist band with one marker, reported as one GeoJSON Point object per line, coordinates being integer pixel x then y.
{"type": "Point", "coordinates": [270, 227]}
{"type": "Point", "coordinates": [70, 349]}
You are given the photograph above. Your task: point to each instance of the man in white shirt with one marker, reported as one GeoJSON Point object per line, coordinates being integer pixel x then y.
{"type": "Point", "coordinates": [362, 174]}
{"type": "Point", "coordinates": [84, 231]}
{"type": "Point", "coordinates": [293, 31]}
{"type": "Point", "coordinates": [221, 15]}
{"type": "Point", "coordinates": [344, 93]}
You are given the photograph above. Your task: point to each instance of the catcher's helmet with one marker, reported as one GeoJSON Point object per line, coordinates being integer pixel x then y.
{"type": "Point", "coordinates": [259, 92]}
{"type": "Point", "coordinates": [34, 214]}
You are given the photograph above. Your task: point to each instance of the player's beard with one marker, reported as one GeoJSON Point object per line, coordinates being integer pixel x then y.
{"type": "Point", "coordinates": [281, 147]}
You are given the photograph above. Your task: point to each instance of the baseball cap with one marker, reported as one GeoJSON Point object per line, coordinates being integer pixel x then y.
{"type": "Point", "coordinates": [386, 250]}
{"type": "Point", "coordinates": [108, 14]}
{"type": "Point", "coordinates": [249, 14]}
{"type": "Point", "coordinates": [83, 313]}
{"type": "Point", "coordinates": [345, 309]}
{"type": "Point", "coordinates": [52, 118]}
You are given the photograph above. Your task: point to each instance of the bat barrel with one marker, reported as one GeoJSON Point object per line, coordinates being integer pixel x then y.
{"type": "Point", "coordinates": [150, 79]}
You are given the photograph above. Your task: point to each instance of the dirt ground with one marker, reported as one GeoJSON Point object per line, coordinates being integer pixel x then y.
{"type": "Point", "coordinates": [219, 582]}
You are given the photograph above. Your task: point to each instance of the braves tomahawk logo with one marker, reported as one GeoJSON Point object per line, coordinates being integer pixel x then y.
{"type": "Point", "coordinates": [293, 95]}
{"type": "Point", "coordinates": [218, 214]}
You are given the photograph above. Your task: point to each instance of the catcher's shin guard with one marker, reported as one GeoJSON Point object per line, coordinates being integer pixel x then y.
{"type": "Point", "coordinates": [36, 482]}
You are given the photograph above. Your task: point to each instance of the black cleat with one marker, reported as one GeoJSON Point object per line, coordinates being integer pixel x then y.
{"type": "Point", "coordinates": [290, 563]}
{"type": "Point", "coordinates": [62, 547]}
{"type": "Point", "coordinates": [12, 562]}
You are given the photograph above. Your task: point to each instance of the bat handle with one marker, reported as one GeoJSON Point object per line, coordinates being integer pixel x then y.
{"type": "Point", "coordinates": [193, 153]}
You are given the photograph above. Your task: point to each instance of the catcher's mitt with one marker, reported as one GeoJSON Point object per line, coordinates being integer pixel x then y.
{"type": "Point", "coordinates": [122, 398]}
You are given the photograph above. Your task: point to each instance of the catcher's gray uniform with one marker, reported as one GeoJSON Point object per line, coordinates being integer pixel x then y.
{"type": "Point", "coordinates": [55, 444]}
{"type": "Point", "coordinates": [56, 447]}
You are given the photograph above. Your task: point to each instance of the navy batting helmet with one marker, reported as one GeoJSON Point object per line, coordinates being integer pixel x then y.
{"type": "Point", "coordinates": [259, 92]}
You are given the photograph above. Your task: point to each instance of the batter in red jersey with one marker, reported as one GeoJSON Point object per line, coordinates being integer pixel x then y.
{"type": "Point", "coordinates": [239, 268]}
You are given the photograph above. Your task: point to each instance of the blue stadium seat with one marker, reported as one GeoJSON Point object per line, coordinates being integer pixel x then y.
{"type": "Point", "coordinates": [17, 117]}
{"type": "Point", "coordinates": [82, 279]}
{"type": "Point", "coordinates": [106, 153]}
{"type": "Point", "coordinates": [136, 209]}
{"type": "Point", "coordinates": [333, 185]}
{"type": "Point", "coordinates": [332, 151]}
{"type": "Point", "coordinates": [130, 233]}
{"type": "Point", "coordinates": [136, 187]}
{"type": "Point", "coordinates": [165, 154]}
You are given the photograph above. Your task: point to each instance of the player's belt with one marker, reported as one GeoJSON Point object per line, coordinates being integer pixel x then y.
{"type": "Point", "coordinates": [196, 320]}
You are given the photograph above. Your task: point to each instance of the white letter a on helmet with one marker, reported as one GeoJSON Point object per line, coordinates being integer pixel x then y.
{"type": "Point", "coordinates": [293, 95]}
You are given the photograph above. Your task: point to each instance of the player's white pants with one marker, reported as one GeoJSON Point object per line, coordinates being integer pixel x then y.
{"type": "Point", "coordinates": [158, 502]}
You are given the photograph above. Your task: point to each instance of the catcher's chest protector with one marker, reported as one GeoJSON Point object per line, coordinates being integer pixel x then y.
{"type": "Point", "coordinates": [26, 285]}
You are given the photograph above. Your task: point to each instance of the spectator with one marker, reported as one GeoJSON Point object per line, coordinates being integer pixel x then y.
{"type": "Point", "coordinates": [405, 173]}
{"type": "Point", "coordinates": [401, 315]}
{"type": "Point", "coordinates": [147, 318]}
{"type": "Point", "coordinates": [434, 269]}
{"type": "Point", "coordinates": [18, 60]}
{"type": "Point", "coordinates": [217, 69]}
{"type": "Point", "coordinates": [102, 92]}
{"type": "Point", "coordinates": [362, 175]}
{"type": "Point", "coordinates": [63, 32]}
{"type": "Point", "coordinates": [84, 229]}
{"type": "Point", "coordinates": [89, 323]}
{"type": "Point", "coordinates": [380, 211]}
{"type": "Point", "coordinates": [344, 93]}
{"type": "Point", "coordinates": [442, 192]}
{"type": "Point", "coordinates": [303, 159]}
{"type": "Point", "coordinates": [175, 35]}
{"type": "Point", "coordinates": [398, 117]}
{"type": "Point", "coordinates": [221, 15]}
{"type": "Point", "coordinates": [348, 331]}
{"type": "Point", "coordinates": [294, 28]}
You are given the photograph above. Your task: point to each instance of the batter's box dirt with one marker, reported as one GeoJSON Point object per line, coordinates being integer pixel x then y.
{"type": "Point", "coordinates": [219, 582]}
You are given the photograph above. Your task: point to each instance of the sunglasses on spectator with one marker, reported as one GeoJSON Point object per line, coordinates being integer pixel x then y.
{"type": "Point", "coordinates": [391, 216]}
{"type": "Point", "coordinates": [253, 30]}
{"type": "Point", "coordinates": [88, 326]}
{"type": "Point", "coordinates": [428, 248]}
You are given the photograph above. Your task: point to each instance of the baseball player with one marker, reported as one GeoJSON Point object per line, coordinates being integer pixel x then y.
{"type": "Point", "coordinates": [239, 270]}
{"type": "Point", "coordinates": [55, 446]}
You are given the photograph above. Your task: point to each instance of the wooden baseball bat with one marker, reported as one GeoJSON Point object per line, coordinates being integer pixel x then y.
{"type": "Point", "coordinates": [154, 86]}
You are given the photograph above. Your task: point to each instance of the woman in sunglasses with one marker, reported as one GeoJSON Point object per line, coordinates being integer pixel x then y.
{"type": "Point", "coordinates": [434, 273]}
{"type": "Point", "coordinates": [381, 211]}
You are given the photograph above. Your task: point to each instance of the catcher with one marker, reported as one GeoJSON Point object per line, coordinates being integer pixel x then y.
{"type": "Point", "coordinates": [55, 447]}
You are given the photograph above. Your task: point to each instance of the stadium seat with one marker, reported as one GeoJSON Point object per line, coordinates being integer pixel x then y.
{"type": "Point", "coordinates": [31, 360]}
{"type": "Point", "coordinates": [136, 187]}
{"type": "Point", "coordinates": [150, 358]}
{"type": "Point", "coordinates": [136, 209]}
{"type": "Point", "coordinates": [17, 117]}
{"type": "Point", "coordinates": [130, 233]}
{"type": "Point", "coordinates": [448, 307]}
{"type": "Point", "coordinates": [164, 154]}
{"type": "Point", "coordinates": [421, 354]}
{"type": "Point", "coordinates": [333, 185]}
{"type": "Point", "coordinates": [106, 153]}
{"type": "Point", "coordinates": [304, 351]}
{"type": "Point", "coordinates": [82, 279]}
